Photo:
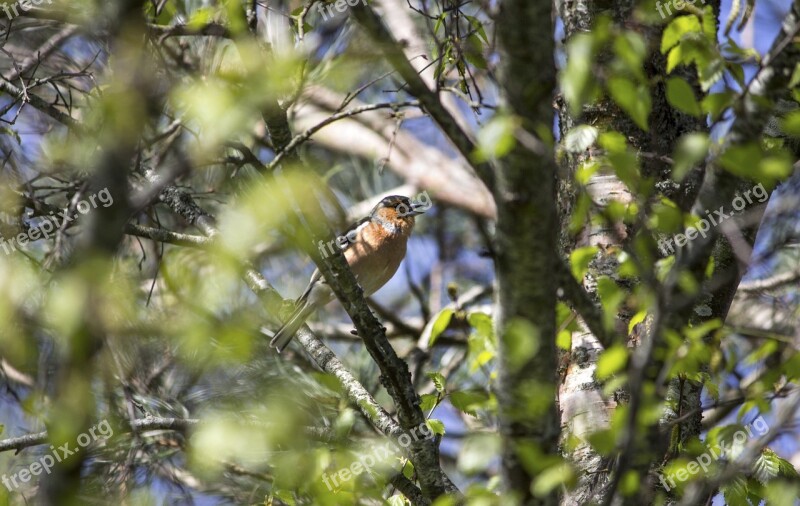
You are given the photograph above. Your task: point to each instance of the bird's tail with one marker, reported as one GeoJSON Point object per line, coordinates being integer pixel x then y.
{"type": "Point", "coordinates": [285, 334]}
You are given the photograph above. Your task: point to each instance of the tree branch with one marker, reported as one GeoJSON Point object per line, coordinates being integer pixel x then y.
{"type": "Point", "coordinates": [183, 204]}
{"type": "Point", "coordinates": [391, 48]}
{"type": "Point", "coordinates": [395, 375]}
{"type": "Point", "coordinates": [167, 236]}
{"type": "Point", "coordinates": [295, 141]}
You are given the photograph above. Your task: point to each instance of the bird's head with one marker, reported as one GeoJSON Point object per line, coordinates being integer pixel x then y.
{"type": "Point", "coordinates": [396, 211]}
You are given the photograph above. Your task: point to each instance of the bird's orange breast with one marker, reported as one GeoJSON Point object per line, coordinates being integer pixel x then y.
{"type": "Point", "coordinates": [375, 256]}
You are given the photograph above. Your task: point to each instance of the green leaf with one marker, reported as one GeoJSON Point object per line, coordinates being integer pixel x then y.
{"type": "Point", "coordinates": [631, 50]}
{"type": "Point", "coordinates": [436, 426]}
{"type": "Point", "coordinates": [474, 52]}
{"type": "Point", "coordinates": [585, 172]}
{"type": "Point", "coordinates": [612, 361]}
{"type": "Point", "coordinates": [579, 260]}
{"type": "Point", "coordinates": [522, 341]}
{"type": "Point", "coordinates": [767, 466]}
{"type": "Point", "coordinates": [478, 27]}
{"type": "Point", "coordinates": [579, 83]}
{"type": "Point", "coordinates": [752, 162]}
{"type": "Point", "coordinates": [553, 477]}
{"type": "Point", "coordinates": [613, 142]}
{"type": "Point", "coordinates": [676, 29]}
{"type": "Point", "coordinates": [737, 71]}
{"type": "Point", "coordinates": [469, 401]}
{"type": "Point", "coordinates": [691, 150]}
{"type": "Point", "coordinates": [637, 319]}
{"type": "Point", "coordinates": [428, 402]}
{"type": "Point", "coordinates": [439, 23]}
{"type": "Point", "coordinates": [482, 323]}
{"type": "Point", "coordinates": [580, 138]}
{"type": "Point", "coordinates": [496, 139]}
{"type": "Point", "coordinates": [481, 342]}
{"type": "Point", "coordinates": [438, 381]}
{"type": "Point", "coordinates": [710, 70]}
{"type": "Point", "coordinates": [603, 441]}
{"type": "Point", "coordinates": [710, 24]}
{"type": "Point", "coordinates": [436, 326]}
{"type": "Point", "coordinates": [611, 295]}
{"type": "Point", "coordinates": [630, 483]}
{"type": "Point", "coordinates": [701, 330]}
{"type": "Point", "coordinates": [564, 340]}
{"type": "Point", "coordinates": [790, 125]}
{"type": "Point", "coordinates": [735, 492]}
{"type": "Point", "coordinates": [795, 79]}
{"type": "Point", "coordinates": [477, 452]}
{"type": "Point", "coordinates": [781, 493]}
{"type": "Point", "coordinates": [681, 96]}
{"type": "Point", "coordinates": [713, 390]}
{"type": "Point", "coordinates": [786, 468]}
{"type": "Point", "coordinates": [632, 98]}
{"type": "Point", "coordinates": [715, 104]}
{"type": "Point", "coordinates": [200, 18]}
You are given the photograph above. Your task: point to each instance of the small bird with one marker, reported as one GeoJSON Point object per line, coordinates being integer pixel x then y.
{"type": "Point", "coordinates": [374, 247]}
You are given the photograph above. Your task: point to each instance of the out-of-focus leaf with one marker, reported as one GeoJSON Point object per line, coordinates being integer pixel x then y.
{"type": "Point", "coordinates": [578, 82]}
{"type": "Point", "coordinates": [790, 125]}
{"type": "Point", "coordinates": [477, 453]}
{"type": "Point", "coordinates": [751, 162]}
{"type": "Point", "coordinates": [579, 260]}
{"type": "Point", "coordinates": [631, 50]}
{"type": "Point", "coordinates": [496, 139]}
{"type": "Point", "coordinates": [633, 98]}
{"type": "Point", "coordinates": [436, 326]}
{"type": "Point", "coordinates": [469, 401]}
{"type": "Point", "coordinates": [681, 96]}
{"type": "Point", "coordinates": [714, 104]}
{"type": "Point", "coordinates": [580, 138]}
{"type": "Point", "coordinates": [553, 477]}
{"type": "Point", "coordinates": [612, 361]}
{"type": "Point", "coordinates": [691, 150]}
{"type": "Point", "coordinates": [482, 323]}
{"type": "Point", "coordinates": [611, 295]}
{"type": "Point", "coordinates": [436, 426]}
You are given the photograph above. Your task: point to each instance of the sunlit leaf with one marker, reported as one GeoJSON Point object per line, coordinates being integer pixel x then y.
{"type": "Point", "coordinates": [681, 96]}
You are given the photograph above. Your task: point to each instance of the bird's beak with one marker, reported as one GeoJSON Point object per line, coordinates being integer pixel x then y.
{"type": "Point", "coordinates": [417, 209]}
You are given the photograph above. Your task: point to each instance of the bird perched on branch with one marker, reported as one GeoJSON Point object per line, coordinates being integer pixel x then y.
{"type": "Point", "coordinates": [374, 247]}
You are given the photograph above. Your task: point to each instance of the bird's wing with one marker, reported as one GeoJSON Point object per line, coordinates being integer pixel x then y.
{"type": "Point", "coordinates": [317, 276]}
{"type": "Point", "coordinates": [351, 229]}
{"type": "Point", "coordinates": [314, 278]}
